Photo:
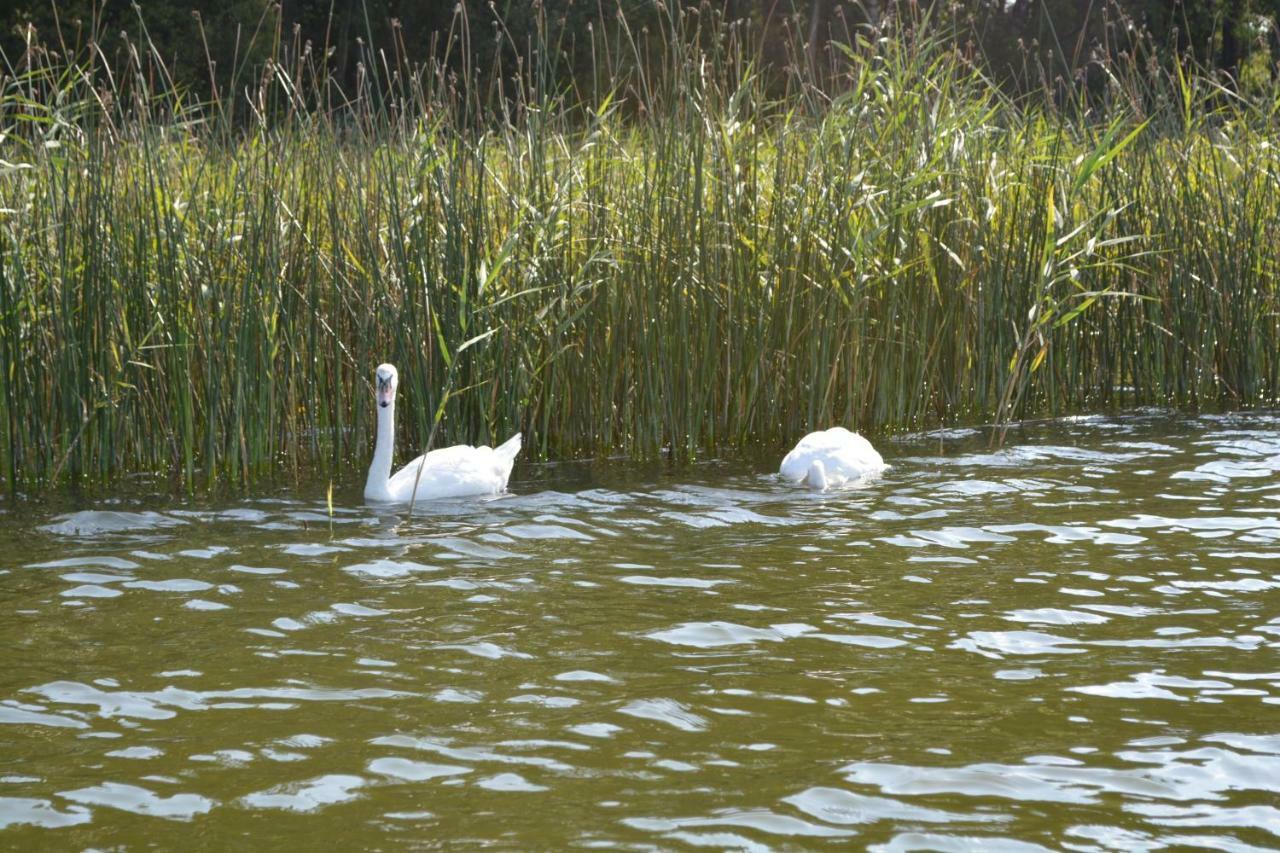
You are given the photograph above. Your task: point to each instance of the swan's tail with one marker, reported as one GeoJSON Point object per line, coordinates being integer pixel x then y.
{"type": "Point", "coordinates": [817, 476]}
{"type": "Point", "coordinates": [509, 448]}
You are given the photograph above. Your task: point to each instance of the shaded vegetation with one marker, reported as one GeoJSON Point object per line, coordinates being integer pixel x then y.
{"type": "Point", "coordinates": [684, 251]}
{"type": "Point", "coordinates": [212, 49]}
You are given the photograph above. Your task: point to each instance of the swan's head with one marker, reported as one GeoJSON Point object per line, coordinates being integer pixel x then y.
{"type": "Point", "coordinates": [387, 379]}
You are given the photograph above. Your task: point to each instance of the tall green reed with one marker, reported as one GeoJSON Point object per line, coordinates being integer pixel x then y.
{"type": "Point", "coordinates": [684, 259]}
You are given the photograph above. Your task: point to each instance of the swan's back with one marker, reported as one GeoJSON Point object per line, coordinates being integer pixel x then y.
{"type": "Point", "coordinates": [845, 456]}
{"type": "Point", "coordinates": [457, 471]}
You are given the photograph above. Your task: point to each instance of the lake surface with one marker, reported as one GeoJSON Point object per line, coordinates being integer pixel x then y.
{"type": "Point", "coordinates": [1069, 643]}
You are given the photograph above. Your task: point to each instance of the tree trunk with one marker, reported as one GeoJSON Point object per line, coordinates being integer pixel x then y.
{"type": "Point", "coordinates": [1232, 50]}
{"type": "Point", "coordinates": [819, 29]}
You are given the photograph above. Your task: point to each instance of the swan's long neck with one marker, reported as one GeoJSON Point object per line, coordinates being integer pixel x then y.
{"type": "Point", "coordinates": [375, 488]}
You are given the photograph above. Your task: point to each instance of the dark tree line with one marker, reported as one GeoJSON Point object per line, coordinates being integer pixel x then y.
{"type": "Point", "coordinates": [208, 45]}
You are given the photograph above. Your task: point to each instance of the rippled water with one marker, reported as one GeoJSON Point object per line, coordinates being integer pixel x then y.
{"type": "Point", "coordinates": [1069, 643]}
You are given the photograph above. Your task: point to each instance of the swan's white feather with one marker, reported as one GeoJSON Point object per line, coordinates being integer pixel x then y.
{"type": "Point", "coordinates": [457, 471]}
{"type": "Point", "coordinates": [845, 457]}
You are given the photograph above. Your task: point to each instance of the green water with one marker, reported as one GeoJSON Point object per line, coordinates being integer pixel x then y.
{"type": "Point", "coordinates": [1069, 643]}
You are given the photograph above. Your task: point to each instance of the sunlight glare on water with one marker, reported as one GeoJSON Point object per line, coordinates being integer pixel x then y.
{"type": "Point", "coordinates": [1068, 643]}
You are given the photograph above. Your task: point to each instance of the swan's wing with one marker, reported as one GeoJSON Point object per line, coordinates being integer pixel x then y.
{"type": "Point", "coordinates": [859, 452]}
{"type": "Point", "coordinates": [400, 484]}
{"type": "Point", "coordinates": [452, 472]}
{"type": "Point", "coordinates": [795, 465]}
{"type": "Point", "coordinates": [855, 459]}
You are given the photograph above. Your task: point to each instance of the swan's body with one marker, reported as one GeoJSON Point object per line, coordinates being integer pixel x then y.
{"type": "Point", "coordinates": [830, 459]}
{"type": "Point", "coordinates": [450, 472]}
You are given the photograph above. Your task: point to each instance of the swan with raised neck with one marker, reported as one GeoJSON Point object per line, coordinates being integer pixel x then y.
{"type": "Point", "coordinates": [449, 472]}
{"type": "Point", "coordinates": [386, 378]}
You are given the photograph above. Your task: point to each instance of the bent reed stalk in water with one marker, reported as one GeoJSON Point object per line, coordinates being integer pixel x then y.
{"type": "Point", "coordinates": [690, 261]}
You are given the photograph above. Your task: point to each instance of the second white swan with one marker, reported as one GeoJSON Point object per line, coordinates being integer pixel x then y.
{"type": "Point", "coordinates": [450, 472]}
{"type": "Point", "coordinates": [831, 458]}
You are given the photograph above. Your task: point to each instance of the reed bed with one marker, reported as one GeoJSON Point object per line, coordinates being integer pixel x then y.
{"type": "Point", "coordinates": [691, 265]}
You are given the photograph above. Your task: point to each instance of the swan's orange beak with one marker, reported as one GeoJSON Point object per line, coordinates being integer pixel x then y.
{"type": "Point", "coordinates": [386, 393]}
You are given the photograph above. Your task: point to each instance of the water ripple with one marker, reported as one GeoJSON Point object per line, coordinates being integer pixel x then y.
{"type": "Point", "coordinates": [1065, 643]}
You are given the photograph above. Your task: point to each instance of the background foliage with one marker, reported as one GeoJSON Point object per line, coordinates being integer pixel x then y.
{"type": "Point", "coordinates": [213, 45]}
{"type": "Point", "coordinates": [667, 235]}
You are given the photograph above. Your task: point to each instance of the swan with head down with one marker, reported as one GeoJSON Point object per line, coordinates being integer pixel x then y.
{"type": "Point", "coordinates": [831, 458]}
{"type": "Point", "coordinates": [449, 472]}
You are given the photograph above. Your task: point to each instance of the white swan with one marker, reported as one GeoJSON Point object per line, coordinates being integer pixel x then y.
{"type": "Point", "coordinates": [831, 458]}
{"type": "Point", "coordinates": [449, 472]}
